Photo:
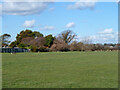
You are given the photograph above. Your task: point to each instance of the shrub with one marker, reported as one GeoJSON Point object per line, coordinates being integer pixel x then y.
{"type": "Point", "coordinates": [43, 49]}
{"type": "Point", "coordinates": [59, 45]}
{"type": "Point", "coordinates": [34, 49]}
{"type": "Point", "coordinates": [13, 44]}
{"type": "Point", "coordinates": [74, 46]}
{"type": "Point", "coordinates": [21, 45]}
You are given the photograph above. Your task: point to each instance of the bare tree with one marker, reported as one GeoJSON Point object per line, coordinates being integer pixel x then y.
{"type": "Point", "coordinates": [59, 45]}
{"type": "Point", "coordinates": [67, 36]}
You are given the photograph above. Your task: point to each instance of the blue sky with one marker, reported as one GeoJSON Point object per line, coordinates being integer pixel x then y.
{"type": "Point", "coordinates": [97, 21]}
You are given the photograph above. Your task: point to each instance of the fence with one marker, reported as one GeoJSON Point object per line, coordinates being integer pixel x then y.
{"type": "Point", "coordinates": [13, 50]}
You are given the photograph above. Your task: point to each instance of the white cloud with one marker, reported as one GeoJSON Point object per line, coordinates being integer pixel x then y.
{"type": "Point", "coordinates": [83, 5]}
{"type": "Point", "coordinates": [106, 36]}
{"type": "Point", "coordinates": [23, 8]}
{"type": "Point", "coordinates": [47, 28]}
{"type": "Point", "coordinates": [118, 1]}
{"type": "Point", "coordinates": [107, 31]}
{"type": "Point", "coordinates": [70, 25]}
{"type": "Point", "coordinates": [29, 24]}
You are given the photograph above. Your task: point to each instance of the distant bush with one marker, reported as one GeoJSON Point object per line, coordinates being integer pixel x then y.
{"type": "Point", "coordinates": [34, 49]}
{"type": "Point", "coordinates": [13, 44]}
{"type": "Point", "coordinates": [59, 45]}
{"type": "Point", "coordinates": [77, 46]}
{"type": "Point", "coordinates": [21, 45]}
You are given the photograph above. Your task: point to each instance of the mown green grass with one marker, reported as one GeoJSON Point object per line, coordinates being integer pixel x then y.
{"type": "Point", "coordinates": [61, 70]}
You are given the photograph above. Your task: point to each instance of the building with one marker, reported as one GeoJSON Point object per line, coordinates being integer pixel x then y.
{"type": "Point", "coordinates": [13, 50]}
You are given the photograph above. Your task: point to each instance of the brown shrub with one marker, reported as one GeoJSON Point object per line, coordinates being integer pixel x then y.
{"type": "Point", "coordinates": [59, 45]}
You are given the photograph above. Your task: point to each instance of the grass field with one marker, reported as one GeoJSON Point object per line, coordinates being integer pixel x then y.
{"type": "Point", "coordinates": [61, 70]}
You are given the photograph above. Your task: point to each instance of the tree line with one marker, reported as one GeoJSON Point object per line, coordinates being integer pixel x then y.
{"type": "Point", "coordinates": [65, 41]}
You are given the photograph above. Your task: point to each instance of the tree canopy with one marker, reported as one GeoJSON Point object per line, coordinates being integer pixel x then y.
{"type": "Point", "coordinates": [67, 36]}
{"type": "Point", "coordinates": [27, 33]}
{"type": "Point", "coordinates": [49, 40]}
{"type": "Point", "coordinates": [5, 39]}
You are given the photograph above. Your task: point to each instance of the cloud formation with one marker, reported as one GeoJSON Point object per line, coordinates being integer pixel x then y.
{"type": "Point", "coordinates": [107, 31]}
{"type": "Point", "coordinates": [70, 25]}
{"type": "Point", "coordinates": [23, 8]}
{"type": "Point", "coordinates": [48, 28]}
{"type": "Point", "coordinates": [83, 5]}
{"type": "Point", "coordinates": [29, 24]}
{"type": "Point", "coordinates": [106, 36]}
